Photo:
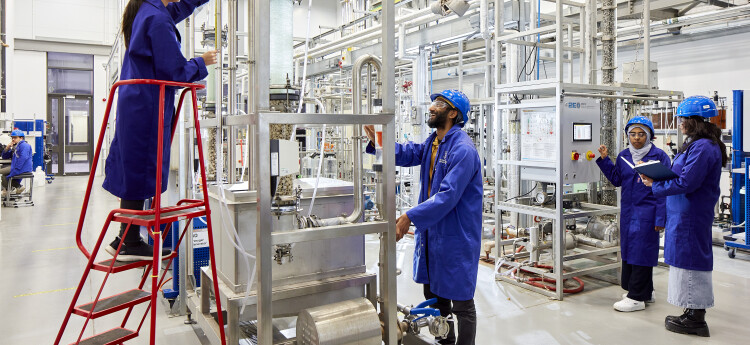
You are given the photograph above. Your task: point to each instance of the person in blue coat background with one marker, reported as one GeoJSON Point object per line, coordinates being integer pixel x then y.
{"type": "Point", "coordinates": [153, 51]}
{"type": "Point", "coordinates": [448, 218]}
{"type": "Point", "coordinates": [19, 152]}
{"type": "Point", "coordinates": [642, 215]}
{"type": "Point", "coordinates": [690, 214]}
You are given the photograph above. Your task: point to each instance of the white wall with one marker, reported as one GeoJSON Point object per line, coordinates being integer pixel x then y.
{"type": "Point", "coordinates": [82, 21]}
{"type": "Point", "coordinates": [29, 87]}
{"type": "Point", "coordinates": [702, 67]}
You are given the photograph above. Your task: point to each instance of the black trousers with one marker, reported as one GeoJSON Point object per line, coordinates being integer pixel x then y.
{"type": "Point", "coordinates": [638, 281]}
{"type": "Point", "coordinates": [133, 236]}
{"type": "Point", "coordinates": [466, 314]}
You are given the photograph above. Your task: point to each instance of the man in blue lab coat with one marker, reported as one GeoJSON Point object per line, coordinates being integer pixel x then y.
{"type": "Point", "coordinates": [19, 152]}
{"type": "Point", "coordinates": [448, 218]}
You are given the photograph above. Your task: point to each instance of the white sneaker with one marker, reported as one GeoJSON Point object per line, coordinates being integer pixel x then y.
{"type": "Point", "coordinates": [652, 300]}
{"type": "Point", "coordinates": [19, 190]}
{"type": "Point", "coordinates": [628, 305]}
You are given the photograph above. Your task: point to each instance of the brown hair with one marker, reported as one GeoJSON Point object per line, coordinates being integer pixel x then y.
{"type": "Point", "coordinates": [697, 128]}
{"type": "Point", "coordinates": [131, 9]}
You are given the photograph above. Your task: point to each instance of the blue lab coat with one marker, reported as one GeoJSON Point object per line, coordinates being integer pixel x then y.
{"type": "Point", "coordinates": [154, 53]}
{"type": "Point", "coordinates": [20, 157]}
{"type": "Point", "coordinates": [690, 206]}
{"type": "Point", "coordinates": [640, 210]}
{"type": "Point", "coordinates": [448, 220]}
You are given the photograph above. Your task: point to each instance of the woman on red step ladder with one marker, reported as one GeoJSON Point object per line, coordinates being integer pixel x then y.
{"type": "Point", "coordinates": [152, 45]}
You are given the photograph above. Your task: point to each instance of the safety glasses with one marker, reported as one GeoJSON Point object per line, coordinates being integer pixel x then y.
{"type": "Point", "coordinates": [438, 103]}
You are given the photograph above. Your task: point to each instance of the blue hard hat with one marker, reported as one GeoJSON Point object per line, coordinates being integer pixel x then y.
{"type": "Point", "coordinates": [458, 100]}
{"type": "Point", "coordinates": [641, 120]}
{"type": "Point", "coordinates": [17, 133]}
{"type": "Point", "coordinates": [697, 106]}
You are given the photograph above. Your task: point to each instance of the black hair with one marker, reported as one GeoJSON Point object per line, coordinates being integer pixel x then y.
{"type": "Point", "coordinates": [697, 128]}
{"type": "Point", "coordinates": [131, 9]}
{"type": "Point", "coordinates": [458, 117]}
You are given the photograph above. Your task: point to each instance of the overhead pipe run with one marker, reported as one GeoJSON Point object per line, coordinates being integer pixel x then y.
{"type": "Point", "coordinates": [413, 19]}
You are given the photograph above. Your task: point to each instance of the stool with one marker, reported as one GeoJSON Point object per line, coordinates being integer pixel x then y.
{"type": "Point", "coordinates": [20, 199]}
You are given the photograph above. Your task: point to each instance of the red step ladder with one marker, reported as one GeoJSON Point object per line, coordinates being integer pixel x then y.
{"type": "Point", "coordinates": [152, 220]}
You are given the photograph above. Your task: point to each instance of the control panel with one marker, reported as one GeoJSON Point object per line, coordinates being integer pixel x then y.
{"type": "Point", "coordinates": [579, 140]}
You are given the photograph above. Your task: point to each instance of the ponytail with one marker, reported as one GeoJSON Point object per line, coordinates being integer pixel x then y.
{"type": "Point", "coordinates": [697, 128]}
{"type": "Point", "coordinates": [131, 9]}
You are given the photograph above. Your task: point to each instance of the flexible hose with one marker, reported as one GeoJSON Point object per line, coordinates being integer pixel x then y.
{"type": "Point", "coordinates": [536, 281]}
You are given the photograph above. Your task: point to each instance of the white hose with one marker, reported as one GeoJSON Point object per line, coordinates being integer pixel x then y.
{"type": "Point", "coordinates": [320, 164]}
{"type": "Point", "coordinates": [320, 168]}
{"type": "Point", "coordinates": [304, 61]}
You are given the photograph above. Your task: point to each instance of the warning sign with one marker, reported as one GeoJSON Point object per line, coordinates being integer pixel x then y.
{"type": "Point", "coordinates": [200, 238]}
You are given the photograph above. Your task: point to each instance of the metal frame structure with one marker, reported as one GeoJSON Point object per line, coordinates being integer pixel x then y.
{"type": "Point", "coordinates": [259, 119]}
{"type": "Point", "coordinates": [549, 93]}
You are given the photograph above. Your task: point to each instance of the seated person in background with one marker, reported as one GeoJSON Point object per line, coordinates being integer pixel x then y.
{"type": "Point", "coordinates": [19, 152]}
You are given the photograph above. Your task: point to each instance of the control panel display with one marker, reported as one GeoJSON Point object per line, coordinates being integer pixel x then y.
{"type": "Point", "coordinates": [582, 131]}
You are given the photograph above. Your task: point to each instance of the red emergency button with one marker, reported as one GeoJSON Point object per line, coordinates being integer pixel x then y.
{"type": "Point", "coordinates": [590, 155]}
{"type": "Point", "coordinates": [574, 156]}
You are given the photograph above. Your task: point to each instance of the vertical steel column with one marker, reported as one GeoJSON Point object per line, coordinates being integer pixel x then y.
{"type": "Point", "coordinates": [646, 22]}
{"type": "Point", "coordinates": [232, 89]}
{"type": "Point", "coordinates": [388, 281]}
{"type": "Point", "coordinates": [185, 143]}
{"type": "Point", "coordinates": [252, 104]}
{"type": "Point", "coordinates": [499, 28]}
{"type": "Point", "coordinates": [218, 44]}
{"type": "Point", "coordinates": [263, 234]}
{"type": "Point", "coordinates": [461, 64]}
{"type": "Point", "coordinates": [558, 230]}
{"type": "Point", "coordinates": [261, 25]}
{"type": "Point", "coordinates": [590, 43]}
{"type": "Point", "coordinates": [559, 35]}
{"type": "Point", "coordinates": [609, 196]}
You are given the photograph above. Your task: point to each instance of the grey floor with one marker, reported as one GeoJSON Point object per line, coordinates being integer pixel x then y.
{"type": "Point", "coordinates": [41, 268]}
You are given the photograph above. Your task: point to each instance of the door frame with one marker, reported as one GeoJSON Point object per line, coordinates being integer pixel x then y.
{"type": "Point", "coordinates": [62, 148]}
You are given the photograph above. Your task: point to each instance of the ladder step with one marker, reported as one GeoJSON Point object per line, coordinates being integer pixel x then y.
{"type": "Point", "coordinates": [111, 337]}
{"type": "Point", "coordinates": [113, 304]}
{"type": "Point", "coordinates": [120, 266]}
{"type": "Point", "coordinates": [168, 215]}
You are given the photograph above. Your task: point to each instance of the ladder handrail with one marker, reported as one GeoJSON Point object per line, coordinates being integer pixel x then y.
{"type": "Point", "coordinates": [105, 121]}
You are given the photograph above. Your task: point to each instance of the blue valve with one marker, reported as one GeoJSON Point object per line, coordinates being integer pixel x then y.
{"type": "Point", "coordinates": [421, 308]}
{"type": "Point", "coordinates": [430, 301]}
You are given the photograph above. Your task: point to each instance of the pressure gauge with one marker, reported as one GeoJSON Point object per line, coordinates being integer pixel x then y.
{"type": "Point", "coordinates": [540, 197]}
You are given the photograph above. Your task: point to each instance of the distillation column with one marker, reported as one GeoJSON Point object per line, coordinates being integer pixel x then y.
{"type": "Point", "coordinates": [609, 109]}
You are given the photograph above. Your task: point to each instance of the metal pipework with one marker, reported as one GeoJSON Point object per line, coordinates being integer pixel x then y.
{"type": "Point", "coordinates": [368, 60]}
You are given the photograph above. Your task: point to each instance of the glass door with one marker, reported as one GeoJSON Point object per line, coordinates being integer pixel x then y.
{"type": "Point", "coordinates": [70, 134]}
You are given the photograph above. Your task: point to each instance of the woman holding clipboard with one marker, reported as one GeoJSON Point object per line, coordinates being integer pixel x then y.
{"type": "Point", "coordinates": [642, 214]}
{"type": "Point", "coordinates": [690, 213]}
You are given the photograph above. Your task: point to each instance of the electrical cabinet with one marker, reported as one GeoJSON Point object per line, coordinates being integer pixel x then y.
{"type": "Point", "coordinates": [579, 140]}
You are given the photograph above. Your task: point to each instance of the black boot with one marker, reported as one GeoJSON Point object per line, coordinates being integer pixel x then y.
{"type": "Point", "coordinates": [692, 321]}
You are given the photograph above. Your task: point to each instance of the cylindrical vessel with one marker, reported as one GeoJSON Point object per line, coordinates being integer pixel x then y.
{"type": "Point", "coordinates": [349, 322]}
{"type": "Point", "coordinates": [307, 168]}
{"type": "Point", "coordinates": [331, 167]}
